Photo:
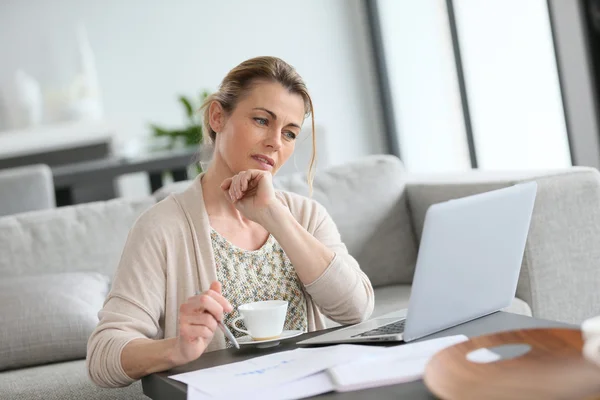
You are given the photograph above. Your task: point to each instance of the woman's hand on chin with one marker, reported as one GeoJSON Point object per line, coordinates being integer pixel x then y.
{"type": "Point", "coordinates": [252, 193]}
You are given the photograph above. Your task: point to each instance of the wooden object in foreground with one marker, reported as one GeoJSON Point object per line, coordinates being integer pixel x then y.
{"type": "Point", "coordinates": [553, 368]}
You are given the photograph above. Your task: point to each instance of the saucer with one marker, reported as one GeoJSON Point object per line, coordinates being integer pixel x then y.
{"type": "Point", "coordinates": [261, 344]}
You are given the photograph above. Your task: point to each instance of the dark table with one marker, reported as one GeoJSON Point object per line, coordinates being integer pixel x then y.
{"type": "Point", "coordinates": [95, 178]}
{"type": "Point", "coordinates": [159, 386]}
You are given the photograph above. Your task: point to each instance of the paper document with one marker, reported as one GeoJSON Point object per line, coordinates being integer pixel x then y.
{"type": "Point", "coordinates": [271, 370]}
{"type": "Point", "coordinates": [307, 372]}
{"type": "Point", "coordinates": [399, 364]}
{"type": "Point", "coordinates": [313, 385]}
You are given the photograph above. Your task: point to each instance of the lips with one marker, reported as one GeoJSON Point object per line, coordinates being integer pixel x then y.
{"type": "Point", "coordinates": [264, 160]}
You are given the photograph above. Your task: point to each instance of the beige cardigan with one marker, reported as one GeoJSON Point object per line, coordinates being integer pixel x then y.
{"type": "Point", "coordinates": [168, 257]}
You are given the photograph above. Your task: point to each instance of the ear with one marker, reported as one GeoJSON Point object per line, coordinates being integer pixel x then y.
{"type": "Point", "coordinates": [216, 116]}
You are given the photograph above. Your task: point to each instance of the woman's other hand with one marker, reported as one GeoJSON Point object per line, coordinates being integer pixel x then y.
{"type": "Point", "coordinates": [198, 321]}
{"type": "Point", "coordinates": [251, 192]}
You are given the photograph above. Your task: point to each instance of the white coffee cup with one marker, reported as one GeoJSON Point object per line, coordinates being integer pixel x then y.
{"type": "Point", "coordinates": [263, 319]}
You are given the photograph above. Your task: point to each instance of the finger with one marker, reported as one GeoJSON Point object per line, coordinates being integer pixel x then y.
{"type": "Point", "coordinates": [196, 308]}
{"type": "Point", "coordinates": [216, 286]}
{"type": "Point", "coordinates": [240, 184]}
{"type": "Point", "coordinates": [204, 318]}
{"type": "Point", "coordinates": [232, 193]}
{"type": "Point", "coordinates": [255, 177]}
{"type": "Point", "coordinates": [246, 180]}
{"type": "Point", "coordinates": [202, 331]}
{"type": "Point", "coordinates": [211, 305]}
{"type": "Point", "coordinates": [192, 332]}
{"type": "Point", "coordinates": [226, 183]}
{"type": "Point", "coordinates": [259, 176]}
{"type": "Point", "coordinates": [192, 306]}
{"type": "Point", "coordinates": [226, 187]}
{"type": "Point", "coordinates": [209, 301]}
{"type": "Point", "coordinates": [225, 304]}
{"type": "Point", "coordinates": [232, 188]}
{"type": "Point", "coordinates": [256, 174]}
{"type": "Point", "coordinates": [236, 185]}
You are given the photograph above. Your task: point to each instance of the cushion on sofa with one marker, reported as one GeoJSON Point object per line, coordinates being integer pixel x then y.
{"type": "Point", "coordinates": [83, 237]}
{"type": "Point", "coordinates": [366, 200]}
{"type": "Point", "coordinates": [61, 381]}
{"type": "Point", "coordinates": [421, 196]}
{"type": "Point", "coordinates": [395, 297]}
{"type": "Point", "coordinates": [48, 318]}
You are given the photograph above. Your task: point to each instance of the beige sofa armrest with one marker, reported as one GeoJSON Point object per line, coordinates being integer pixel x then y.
{"type": "Point", "coordinates": [26, 188]}
{"type": "Point", "coordinates": [560, 273]}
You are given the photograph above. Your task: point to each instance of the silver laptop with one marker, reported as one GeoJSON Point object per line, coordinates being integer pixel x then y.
{"type": "Point", "coordinates": [467, 267]}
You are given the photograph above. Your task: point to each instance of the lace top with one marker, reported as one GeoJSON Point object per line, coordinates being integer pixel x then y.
{"type": "Point", "coordinates": [264, 274]}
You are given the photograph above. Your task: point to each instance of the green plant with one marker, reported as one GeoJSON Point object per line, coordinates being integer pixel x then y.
{"type": "Point", "coordinates": [191, 134]}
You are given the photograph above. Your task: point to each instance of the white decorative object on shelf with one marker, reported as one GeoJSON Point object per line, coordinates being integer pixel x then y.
{"type": "Point", "coordinates": [85, 90]}
{"type": "Point", "coordinates": [80, 100]}
{"type": "Point", "coordinates": [28, 101]}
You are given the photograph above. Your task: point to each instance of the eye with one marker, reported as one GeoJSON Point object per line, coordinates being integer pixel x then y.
{"type": "Point", "coordinates": [261, 121]}
{"type": "Point", "coordinates": [290, 135]}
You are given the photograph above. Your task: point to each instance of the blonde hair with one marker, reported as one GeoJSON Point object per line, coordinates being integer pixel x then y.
{"type": "Point", "coordinates": [240, 80]}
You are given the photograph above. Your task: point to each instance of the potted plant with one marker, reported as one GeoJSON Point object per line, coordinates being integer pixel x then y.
{"type": "Point", "coordinates": [191, 134]}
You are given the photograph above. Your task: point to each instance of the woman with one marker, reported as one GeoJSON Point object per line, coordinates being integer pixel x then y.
{"type": "Point", "coordinates": [230, 236]}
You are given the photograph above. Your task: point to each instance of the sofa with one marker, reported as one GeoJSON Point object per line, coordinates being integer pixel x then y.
{"type": "Point", "coordinates": [56, 265]}
{"type": "Point", "coordinates": [26, 188]}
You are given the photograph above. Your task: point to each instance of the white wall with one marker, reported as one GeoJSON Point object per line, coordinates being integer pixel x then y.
{"type": "Point", "coordinates": [148, 52]}
{"type": "Point", "coordinates": [424, 86]}
{"type": "Point", "coordinates": [512, 84]}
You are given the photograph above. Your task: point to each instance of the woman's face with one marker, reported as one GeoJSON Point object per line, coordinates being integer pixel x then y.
{"type": "Point", "coordinates": [261, 131]}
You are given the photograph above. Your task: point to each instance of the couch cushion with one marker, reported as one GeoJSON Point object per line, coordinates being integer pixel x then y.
{"type": "Point", "coordinates": [395, 297]}
{"type": "Point", "coordinates": [61, 381]}
{"type": "Point", "coordinates": [424, 190]}
{"type": "Point", "coordinates": [84, 237]}
{"type": "Point", "coordinates": [48, 318]}
{"type": "Point", "coordinates": [423, 195]}
{"type": "Point", "coordinates": [366, 200]}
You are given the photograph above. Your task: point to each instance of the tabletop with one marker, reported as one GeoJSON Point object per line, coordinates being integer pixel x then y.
{"type": "Point", "coordinates": [159, 386]}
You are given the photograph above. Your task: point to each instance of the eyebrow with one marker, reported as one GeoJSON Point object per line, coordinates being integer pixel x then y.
{"type": "Point", "coordinates": [274, 116]}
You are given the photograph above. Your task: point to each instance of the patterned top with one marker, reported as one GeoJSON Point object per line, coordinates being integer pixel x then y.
{"type": "Point", "coordinates": [263, 274]}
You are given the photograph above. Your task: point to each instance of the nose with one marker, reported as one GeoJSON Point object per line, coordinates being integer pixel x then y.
{"type": "Point", "coordinates": [273, 139]}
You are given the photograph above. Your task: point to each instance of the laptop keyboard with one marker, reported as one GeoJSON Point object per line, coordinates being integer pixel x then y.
{"type": "Point", "coordinates": [389, 329]}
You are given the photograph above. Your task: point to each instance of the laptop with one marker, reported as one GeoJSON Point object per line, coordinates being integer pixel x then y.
{"type": "Point", "coordinates": [467, 267]}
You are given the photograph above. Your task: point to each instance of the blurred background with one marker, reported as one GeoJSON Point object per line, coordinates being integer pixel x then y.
{"type": "Point", "coordinates": [100, 93]}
